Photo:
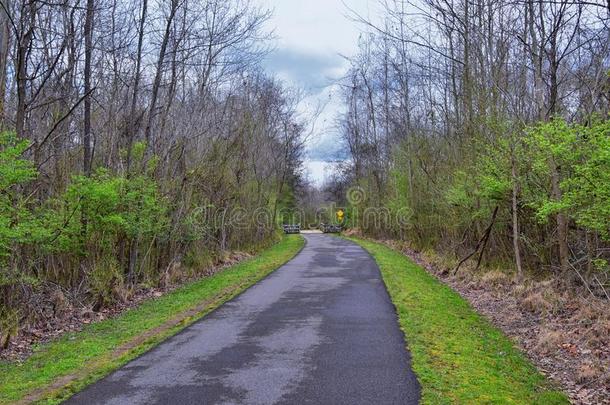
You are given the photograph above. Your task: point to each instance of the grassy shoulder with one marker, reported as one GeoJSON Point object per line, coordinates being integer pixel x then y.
{"type": "Point", "coordinates": [458, 356]}
{"type": "Point", "coordinates": [62, 367]}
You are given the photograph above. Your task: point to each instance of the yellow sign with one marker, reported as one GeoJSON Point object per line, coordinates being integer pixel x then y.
{"type": "Point", "coordinates": [340, 215]}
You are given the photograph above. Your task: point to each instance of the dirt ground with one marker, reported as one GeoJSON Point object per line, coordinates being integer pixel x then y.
{"type": "Point", "coordinates": [59, 313]}
{"type": "Point", "coordinates": [565, 333]}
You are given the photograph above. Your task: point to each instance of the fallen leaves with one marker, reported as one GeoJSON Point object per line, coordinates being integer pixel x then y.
{"type": "Point", "coordinates": [570, 348]}
{"type": "Point", "coordinates": [567, 337]}
{"type": "Point", "coordinates": [59, 315]}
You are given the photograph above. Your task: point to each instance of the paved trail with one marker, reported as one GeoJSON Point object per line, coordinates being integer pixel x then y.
{"type": "Point", "coordinates": [319, 330]}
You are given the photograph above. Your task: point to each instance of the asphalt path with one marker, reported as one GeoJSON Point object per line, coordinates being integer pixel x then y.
{"type": "Point", "coordinates": [319, 330]}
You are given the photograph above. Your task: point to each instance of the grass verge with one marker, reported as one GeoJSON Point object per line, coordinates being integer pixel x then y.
{"type": "Point", "coordinates": [458, 356]}
{"type": "Point", "coordinates": [58, 369]}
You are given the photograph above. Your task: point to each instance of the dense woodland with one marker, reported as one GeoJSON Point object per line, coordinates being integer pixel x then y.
{"type": "Point", "coordinates": [480, 129]}
{"type": "Point", "coordinates": [140, 140]}
{"type": "Point", "coordinates": [138, 137]}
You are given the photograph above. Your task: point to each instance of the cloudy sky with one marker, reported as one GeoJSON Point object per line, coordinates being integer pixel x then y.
{"type": "Point", "coordinates": [312, 36]}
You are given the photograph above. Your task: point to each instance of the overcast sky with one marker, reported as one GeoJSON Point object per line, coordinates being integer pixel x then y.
{"type": "Point", "coordinates": [311, 37]}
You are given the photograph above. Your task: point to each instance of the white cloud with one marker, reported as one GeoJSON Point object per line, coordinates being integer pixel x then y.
{"type": "Point", "coordinates": [312, 36]}
{"type": "Point", "coordinates": [315, 25]}
{"type": "Point", "coordinates": [317, 171]}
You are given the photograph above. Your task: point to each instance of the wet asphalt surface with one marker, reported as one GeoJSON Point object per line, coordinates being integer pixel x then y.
{"type": "Point", "coordinates": [319, 330]}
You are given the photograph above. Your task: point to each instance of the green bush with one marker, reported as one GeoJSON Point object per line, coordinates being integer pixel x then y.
{"type": "Point", "coordinates": [17, 224]}
{"type": "Point", "coordinates": [448, 203]}
{"type": "Point", "coordinates": [582, 154]}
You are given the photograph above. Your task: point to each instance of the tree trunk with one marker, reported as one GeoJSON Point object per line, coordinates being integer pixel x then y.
{"type": "Point", "coordinates": [159, 73]}
{"type": "Point", "coordinates": [536, 54]}
{"type": "Point", "coordinates": [562, 222]}
{"type": "Point", "coordinates": [132, 127]}
{"type": "Point", "coordinates": [515, 218]}
{"type": "Point", "coordinates": [87, 155]}
{"type": "Point", "coordinates": [4, 48]}
{"type": "Point", "coordinates": [28, 19]}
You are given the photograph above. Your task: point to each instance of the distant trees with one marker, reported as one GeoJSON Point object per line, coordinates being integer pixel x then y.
{"type": "Point", "coordinates": [456, 108]}
{"type": "Point", "coordinates": [133, 129]}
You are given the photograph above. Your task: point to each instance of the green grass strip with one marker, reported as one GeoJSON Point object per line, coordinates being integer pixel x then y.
{"type": "Point", "coordinates": [85, 356]}
{"type": "Point", "coordinates": [458, 356]}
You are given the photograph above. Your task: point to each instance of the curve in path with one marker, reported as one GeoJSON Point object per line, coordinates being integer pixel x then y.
{"type": "Point", "coordinates": [321, 329]}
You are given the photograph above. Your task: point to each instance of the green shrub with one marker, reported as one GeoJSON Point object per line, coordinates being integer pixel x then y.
{"type": "Point", "coordinates": [582, 154]}
{"type": "Point", "coordinates": [17, 224]}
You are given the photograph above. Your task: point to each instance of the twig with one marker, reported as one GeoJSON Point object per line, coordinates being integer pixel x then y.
{"type": "Point", "coordinates": [56, 125]}
{"type": "Point", "coordinates": [602, 287]}
{"type": "Point", "coordinates": [482, 242]}
{"type": "Point", "coordinates": [583, 280]}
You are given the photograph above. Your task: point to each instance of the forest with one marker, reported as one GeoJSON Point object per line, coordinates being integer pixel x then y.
{"type": "Point", "coordinates": [147, 145]}
{"type": "Point", "coordinates": [481, 127]}
{"type": "Point", "coordinates": [144, 142]}
{"type": "Point", "coordinates": [138, 139]}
